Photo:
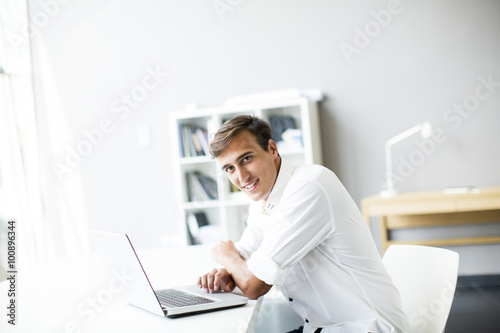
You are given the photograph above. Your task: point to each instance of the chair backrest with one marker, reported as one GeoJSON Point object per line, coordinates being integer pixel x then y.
{"type": "Point", "coordinates": [426, 278]}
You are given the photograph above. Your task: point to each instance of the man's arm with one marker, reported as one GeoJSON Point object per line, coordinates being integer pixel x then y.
{"type": "Point", "coordinates": [235, 269]}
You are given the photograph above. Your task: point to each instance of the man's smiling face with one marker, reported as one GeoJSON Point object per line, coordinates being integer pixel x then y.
{"type": "Point", "coordinates": [249, 167]}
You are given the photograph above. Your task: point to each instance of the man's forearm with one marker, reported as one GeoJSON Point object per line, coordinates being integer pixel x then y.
{"type": "Point", "coordinates": [249, 284]}
{"type": "Point", "coordinates": [236, 265]}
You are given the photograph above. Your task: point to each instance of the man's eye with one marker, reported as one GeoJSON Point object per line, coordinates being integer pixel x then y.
{"type": "Point", "coordinates": [247, 159]}
{"type": "Point", "coordinates": [229, 169]}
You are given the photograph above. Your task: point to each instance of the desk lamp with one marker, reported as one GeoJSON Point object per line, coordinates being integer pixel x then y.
{"type": "Point", "coordinates": [425, 130]}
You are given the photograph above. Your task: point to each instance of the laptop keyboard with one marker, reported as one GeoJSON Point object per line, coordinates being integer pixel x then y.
{"type": "Point", "coordinates": [177, 298]}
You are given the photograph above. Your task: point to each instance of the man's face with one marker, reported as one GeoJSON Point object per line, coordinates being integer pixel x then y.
{"type": "Point", "coordinates": [252, 169]}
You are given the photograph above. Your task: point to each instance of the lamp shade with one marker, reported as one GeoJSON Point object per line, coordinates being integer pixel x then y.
{"type": "Point", "coordinates": [425, 130]}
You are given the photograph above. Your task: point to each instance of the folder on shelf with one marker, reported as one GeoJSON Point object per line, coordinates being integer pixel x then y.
{"type": "Point", "coordinates": [280, 124]}
{"type": "Point", "coordinates": [201, 187]}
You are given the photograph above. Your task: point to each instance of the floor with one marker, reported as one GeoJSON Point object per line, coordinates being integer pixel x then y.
{"type": "Point", "coordinates": [476, 306]}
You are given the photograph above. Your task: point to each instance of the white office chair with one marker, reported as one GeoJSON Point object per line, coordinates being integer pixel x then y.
{"type": "Point", "coordinates": [426, 278]}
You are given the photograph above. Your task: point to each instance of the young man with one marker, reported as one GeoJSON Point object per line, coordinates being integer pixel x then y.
{"type": "Point", "coordinates": [305, 234]}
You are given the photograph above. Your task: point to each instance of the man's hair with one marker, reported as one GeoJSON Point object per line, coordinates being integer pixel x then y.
{"type": "Point", "coordinates": [259, 128]}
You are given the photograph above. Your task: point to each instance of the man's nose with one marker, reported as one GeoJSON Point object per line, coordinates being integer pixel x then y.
{"type": "Point", "coordinates": [243, 175]}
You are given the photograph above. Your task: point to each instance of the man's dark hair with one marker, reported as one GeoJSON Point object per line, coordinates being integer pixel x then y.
{"type": "Point", "coordinates": [259, 128]}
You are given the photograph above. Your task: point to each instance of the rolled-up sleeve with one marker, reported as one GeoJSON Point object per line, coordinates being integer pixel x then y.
{"type": "Point", "coordinates": [266, 269]}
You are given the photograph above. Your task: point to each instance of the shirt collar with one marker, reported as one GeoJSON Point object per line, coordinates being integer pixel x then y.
{"type": "Point", "coordinates": [284, 175]}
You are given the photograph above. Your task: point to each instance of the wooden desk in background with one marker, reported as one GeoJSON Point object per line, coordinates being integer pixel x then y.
{"type": "Point", "coordinates": [434, 208]}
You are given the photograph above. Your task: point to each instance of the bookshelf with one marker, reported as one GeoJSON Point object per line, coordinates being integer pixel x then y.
{"type": "Point", "coordinates": [227, 211]}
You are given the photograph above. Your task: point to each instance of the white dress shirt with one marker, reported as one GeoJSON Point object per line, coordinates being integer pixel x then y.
{"type": "Point", "coordinates": [311, 240]}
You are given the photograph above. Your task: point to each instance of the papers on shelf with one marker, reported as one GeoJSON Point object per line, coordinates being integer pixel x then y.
{"type": "Point", "coordinates": [459, 190]}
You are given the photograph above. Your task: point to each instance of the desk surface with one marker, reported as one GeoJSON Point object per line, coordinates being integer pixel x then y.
{"type": "Point", "coordinates": [73, 296]}
{"type": "Point", "coordinates": [428, 202]}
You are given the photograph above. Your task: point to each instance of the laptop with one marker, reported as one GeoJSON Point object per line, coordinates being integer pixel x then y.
{"type": "Point", "coordinates": [127, 277]}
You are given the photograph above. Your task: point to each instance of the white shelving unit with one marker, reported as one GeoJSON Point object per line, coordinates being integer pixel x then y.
{"type": "Point", "coordinates": [231, 208]}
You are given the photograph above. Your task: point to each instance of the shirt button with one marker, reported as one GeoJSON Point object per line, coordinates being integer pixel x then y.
{"type": "Point", "coordinates": [307, 320]}
{"type": "Point", "coordinates": [290, 299]}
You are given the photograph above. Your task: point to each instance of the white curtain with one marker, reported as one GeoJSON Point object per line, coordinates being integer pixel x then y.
{"type": "Point", "coordinates": [19, 186]}
{"type": "Point", "coordinates": [63, 194]}
{"type": "Point", "coordinates": [49, 213]}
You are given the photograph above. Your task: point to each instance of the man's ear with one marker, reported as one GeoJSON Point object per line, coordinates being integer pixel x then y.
{"type": "Point", "coordinates": [272, 147]}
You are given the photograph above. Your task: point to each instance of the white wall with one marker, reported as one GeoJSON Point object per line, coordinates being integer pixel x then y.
{"type": "Point", "coordinates": [427, 58]}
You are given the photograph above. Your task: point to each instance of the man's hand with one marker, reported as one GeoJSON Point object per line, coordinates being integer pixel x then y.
{"type": "Point", "coordinates": [235, 272]}
{"type": "Point", "coordinates": [216, 279]}
{"type": "Point", "coordinates": [224, 251]}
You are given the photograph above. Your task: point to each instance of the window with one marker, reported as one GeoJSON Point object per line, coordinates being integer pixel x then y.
{"type": "Point", "coordinates": [19, 161]}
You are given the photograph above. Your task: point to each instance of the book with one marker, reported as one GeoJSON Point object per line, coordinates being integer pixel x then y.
{"type": "Point", "coordinates": [192, 149]}
{"type": "Point", "coordinates": [193, 141]}
{"type": "Point", "coordinates": [181, 141]}
{"type": "Point", "coordinates": [185, 141]}
{"type": "Point", "coordinates": [197, 145]}
{"type": "Point", "coordinates": [203, 138]}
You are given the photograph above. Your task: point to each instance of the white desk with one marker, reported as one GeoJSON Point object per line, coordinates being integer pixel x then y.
{"type": "Point", "coordinates": [62, 298]}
